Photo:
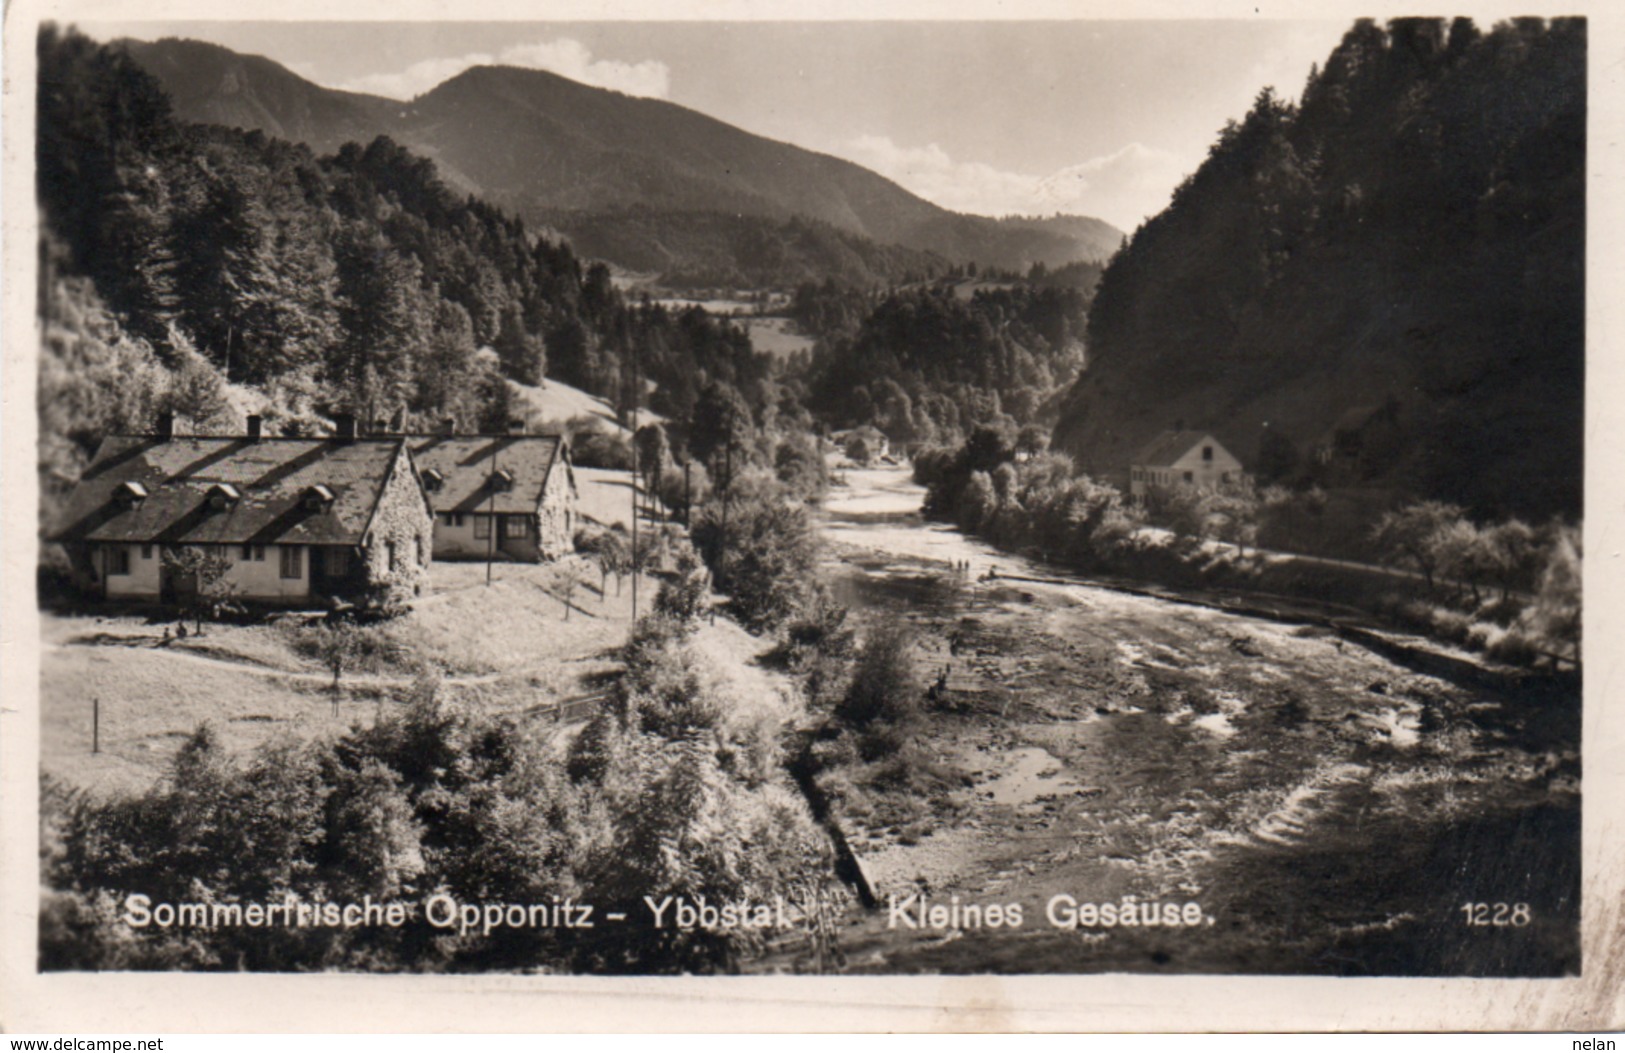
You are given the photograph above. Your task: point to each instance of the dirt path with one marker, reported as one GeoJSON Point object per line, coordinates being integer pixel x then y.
{"type": "Point", "coordinates": [270, 672]}
{"type": "Point", "coordinates": [1325, 809]}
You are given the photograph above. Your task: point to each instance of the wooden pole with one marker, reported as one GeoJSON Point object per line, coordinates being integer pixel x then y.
{"type": "Point", "coordinates": [491, 516]}
{"type": "Point", "coordinates": [727, 499]}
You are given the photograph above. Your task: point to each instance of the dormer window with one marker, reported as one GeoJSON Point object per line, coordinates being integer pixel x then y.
{"type": "Point", "coordinates": [432, 480]}
{"type": "Point", "coordinates": [223, 496]}
{"type": "Point", "coordinates": [130, 493]}
{"type": "Point", "coordinates": [317, 498]}
{"type": "Point", "coordinates": [501, 480]}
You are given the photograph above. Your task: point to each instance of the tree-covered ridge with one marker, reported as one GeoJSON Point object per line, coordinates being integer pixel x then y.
{"type": "Point", "coordinates": [356, 282]}
{"type": "Point", "coordinates": [925, 365]}
{"type": "Point", "coordinates": [1412, 232]}
{"type": "Point", "coordinates": [718, 250]}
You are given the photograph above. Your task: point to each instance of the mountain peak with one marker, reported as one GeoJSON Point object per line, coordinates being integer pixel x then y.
{"type": "Point", "coordinates": [538, 143]}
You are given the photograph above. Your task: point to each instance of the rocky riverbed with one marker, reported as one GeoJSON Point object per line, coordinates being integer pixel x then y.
{"type": "Point", "coordinates": [1274, 798]}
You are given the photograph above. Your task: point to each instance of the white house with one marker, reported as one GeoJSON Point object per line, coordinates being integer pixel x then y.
{"type": "Point", "coordinates": [295, 519]}
{"type": "Point", "coordinates": [1183, 458]}
{"type": "Point", "coordinates": [507, 497]}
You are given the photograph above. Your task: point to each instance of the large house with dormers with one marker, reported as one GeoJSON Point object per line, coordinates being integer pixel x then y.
{"type": "Point", "coordinates": [300, 520]}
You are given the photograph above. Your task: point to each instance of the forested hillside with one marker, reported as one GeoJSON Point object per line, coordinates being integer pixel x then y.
{"type": "Point", "coordinates": [719, 250]}
{"type": "Point", "coordinates": [181, 259]}
{"type": "Point", "coordinates": [1410, 236]}
{"type": "Point", "coordinates": [643, 183]}
{"type": "Point", "coordinates": [926, 366]}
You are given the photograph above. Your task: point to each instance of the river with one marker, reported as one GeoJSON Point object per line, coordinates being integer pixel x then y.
{"type": "Point", "coordinates": [1289, 801]}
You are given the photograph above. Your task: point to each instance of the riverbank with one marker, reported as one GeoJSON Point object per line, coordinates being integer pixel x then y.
{"type": "Point", "coordinates": [1318, 800]}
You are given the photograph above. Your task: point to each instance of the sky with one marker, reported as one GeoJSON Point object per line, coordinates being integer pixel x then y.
{"type": "Point", "coordinates": [1100, 118]}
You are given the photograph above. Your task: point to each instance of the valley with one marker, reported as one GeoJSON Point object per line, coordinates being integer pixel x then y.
{"type": "Point", "coordinates": [1030, 598]}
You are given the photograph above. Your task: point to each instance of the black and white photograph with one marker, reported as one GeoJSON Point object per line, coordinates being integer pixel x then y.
{"type": "Point", "coordinates": [854, 499]}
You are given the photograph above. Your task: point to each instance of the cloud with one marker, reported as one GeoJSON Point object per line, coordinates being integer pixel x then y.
{"type": "Point", "coordinates": [929, 172]}
{"type": "Point", "coordinates": [1122, 188]}
{"type": "Point", "coordinates": [564, 56]}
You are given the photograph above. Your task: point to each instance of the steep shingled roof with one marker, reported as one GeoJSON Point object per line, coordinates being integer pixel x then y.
{"type": "Point", "coordinates": [272, 476]}
{"type": "Point", "coordinates": [1169, 447]}
{"type": "Point", "coordinates": [466, 462]}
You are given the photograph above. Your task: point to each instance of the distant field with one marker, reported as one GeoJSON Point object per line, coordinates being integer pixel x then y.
{"type": "Point", "coordinates": [966, 290]}
{"type": "Point", "coordinates": [717, 307]}
{"type": "Point", "coordinates": [776, 336]}
{"type": "Point", "coordinates": [606, 495]}
{"type": "Point", "coordinates": [558, 401]}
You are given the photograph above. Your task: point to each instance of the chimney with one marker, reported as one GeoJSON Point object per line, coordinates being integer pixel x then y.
{"type": "Point", "coordinates": [448, 426]}
{"type": "Point", "coordinates": [344, 427]}
{"type": "Point", "coordinates": [165, 427]}
{"type": "Point", "coordinates": [516, 427]}
{"type": "Point", "coordinates": [253, 427]}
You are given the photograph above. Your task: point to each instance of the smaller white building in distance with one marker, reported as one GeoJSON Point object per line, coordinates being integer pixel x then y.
{"type": "Point", "coordinates": [1183, 458]}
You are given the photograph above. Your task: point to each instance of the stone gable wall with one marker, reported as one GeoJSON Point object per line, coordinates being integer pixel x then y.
{"type": "Point", "coordinates": [402, 518]}
{"type": "Point", "coordinates": [556, 517]}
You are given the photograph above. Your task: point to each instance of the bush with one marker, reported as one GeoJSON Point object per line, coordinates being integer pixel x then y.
{"type": "Point", "coordinates": [1516, 648]}
{"type": "Point", "coordinates": [819, 644]}
{"type": "Point", "coordinates": [343, 646]}
{"type": "Point", "coordinates": [1553, 620]}
{"type": "Point", "coordinates": [665, 689]}
{"type": "Point", "coordinates": [819, 628]}
{"type": "Point", "coordinates": [442, 798]}
{"type": "Point", "coordinates": [932, 464]}
{"type": "Point", "coordinates": [1418, 535]}
{"type": "Point", "coordinates": [1177, 509]}
{"type": "Point", "coordinates": [883, 699]}
{"type": "Point", "coordinates": [801, 468]}
{"type": "Point", "coordinates": [977, 502]}
{"type": "Point", "coordinates": [679, 494]}
{"type": "Point", "coordinates": [600, 449]}
{"type": "Point", "coordinates": [762, 559]}
{"type": "Point", "coordinates": [687, 594]}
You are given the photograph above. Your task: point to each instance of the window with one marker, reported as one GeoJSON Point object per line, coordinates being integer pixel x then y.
{"type": "Point", "coordinates": [515, 526]}
{"type": "Point", "coordinates": [1190, 477]}
{"type": "Point", "coordinates": [254, 553]}
{"type": "Point", "coordinates": [338, 562]}
{"type": "Point", "coordinates": [482, 527]}
{"type": "Point", "coordinates": [389, 555]}
{"type": "Point", "coordinates": [418, 548]}
{"type": "Point", "coordinates": [452, 519]}
{"type": "Point", "coordinates": [293, 564]}
{"type": "Point", "coordinates": [118, 560]}
{"type": "Point", "coordinates": [146, 551]}
{"type": "Point", "coordinates": [1207, 453]}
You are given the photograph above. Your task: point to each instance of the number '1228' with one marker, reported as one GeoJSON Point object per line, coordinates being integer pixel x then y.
{"type": "Point", "coordinates": [1498, 914]}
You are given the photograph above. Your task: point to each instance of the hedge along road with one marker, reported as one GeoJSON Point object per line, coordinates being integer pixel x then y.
{"type": "Point", "coordinates": [1329, 810]}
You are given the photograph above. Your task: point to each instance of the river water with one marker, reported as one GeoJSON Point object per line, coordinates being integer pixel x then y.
{"type": "Point", "coordinates": [1310, 806]}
